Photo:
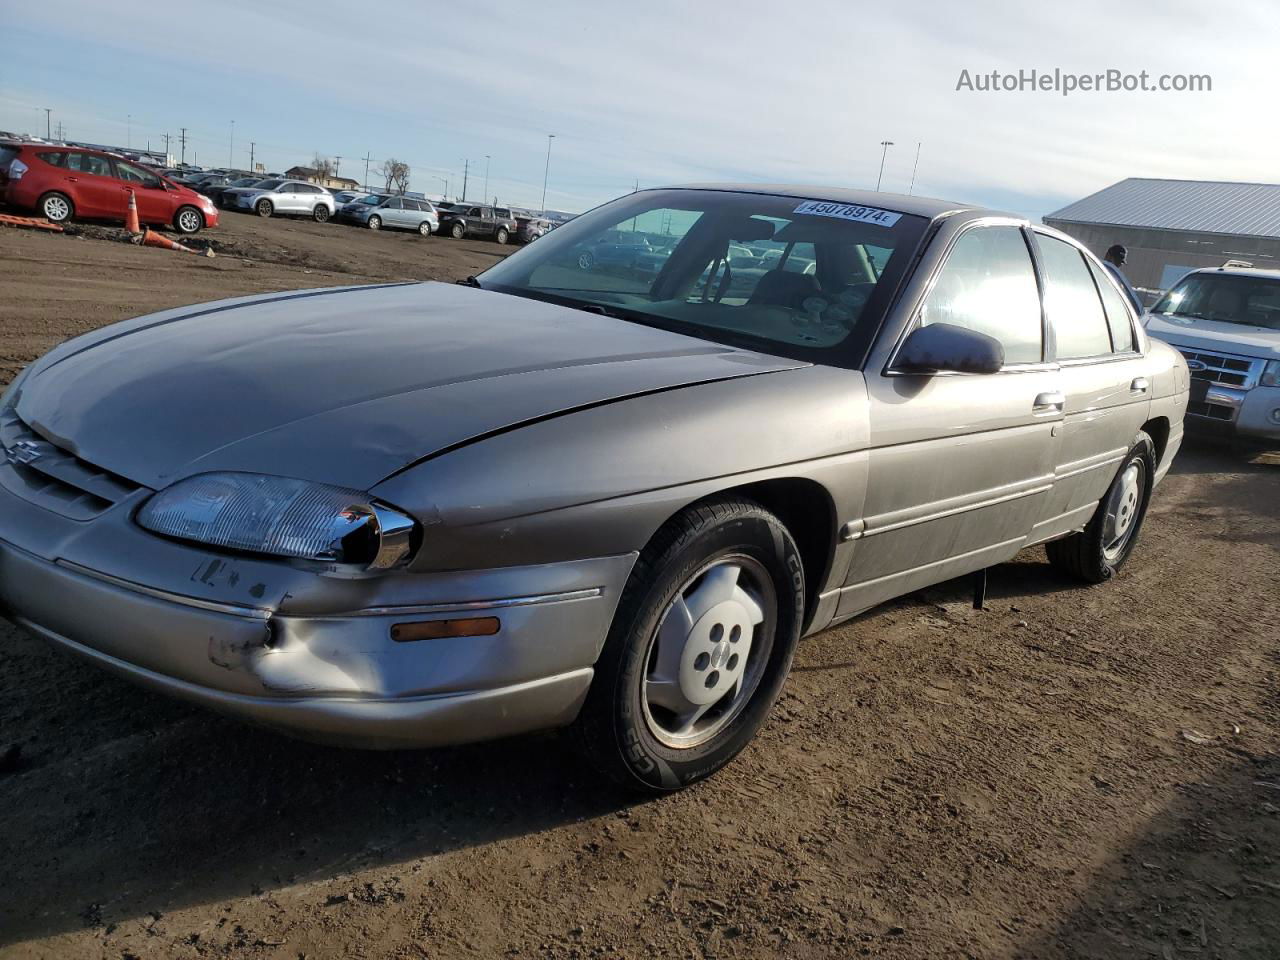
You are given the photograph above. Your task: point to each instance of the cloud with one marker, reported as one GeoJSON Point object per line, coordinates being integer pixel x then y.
{"type": "Point", "coordinates": [668, 92]}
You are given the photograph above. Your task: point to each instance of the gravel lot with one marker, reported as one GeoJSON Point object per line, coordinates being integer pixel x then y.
{"type": "Point", "coordinates": [1073, 772]}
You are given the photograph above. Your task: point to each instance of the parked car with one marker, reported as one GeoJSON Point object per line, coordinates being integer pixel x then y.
{"type": "Point", "coordinates": [378, 210]}
{"type": "Point", "coordinates": [530, 228]}
{"type": "Point", "coordinates": [342, 197]}
{"type": "Point", "coordinates": [62, 183]}
{"type": "Point", "coordinates": [219, 194]}
{"type": "Point", "coordinates": [628, 251]}
{"type": "Point", "coordinates": [289, 197]}
{"type": "Point", "coordinates": [1226, 323]}
{"type": "Point", "coordinates": [476, 221]}
{"type": "Point", "coordinates": [432, 513]}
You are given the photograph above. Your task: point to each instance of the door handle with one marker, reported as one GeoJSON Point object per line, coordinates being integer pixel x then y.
{"type": "Point", "coordinates": [73, 179]}
{"type": "Point", "coordinates": [1050, 402]}
{"type": "Point", "coordinates": [1139, 385]}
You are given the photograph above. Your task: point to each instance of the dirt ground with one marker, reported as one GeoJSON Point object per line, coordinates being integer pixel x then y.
{"type": "Point", "coordinates": [1072, 773]}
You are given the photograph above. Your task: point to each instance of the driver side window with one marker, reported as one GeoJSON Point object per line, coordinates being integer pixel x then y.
{"type": "Point", "coordinates": [988, 284]}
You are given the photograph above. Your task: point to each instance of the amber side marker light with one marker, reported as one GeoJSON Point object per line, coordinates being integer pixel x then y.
{"type": "Point", "coordinates": [443, 629]}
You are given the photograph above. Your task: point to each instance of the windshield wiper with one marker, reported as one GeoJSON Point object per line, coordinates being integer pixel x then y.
{"type": "Point", "coordinates": [470, 282]}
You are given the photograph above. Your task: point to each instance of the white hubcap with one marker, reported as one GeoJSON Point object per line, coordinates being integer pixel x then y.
{"type": "Point", "coordinates": [701, 656]}
{"type": "Point", "coordinates": [1123, 509]}
{"type": "Point", "coordinates": [55, 208]}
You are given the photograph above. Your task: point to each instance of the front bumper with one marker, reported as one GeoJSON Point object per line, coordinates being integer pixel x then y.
{"type": "Point", "coordinates": [319, 662]}
{"type": "Point", "coordinates": [1246, 414]}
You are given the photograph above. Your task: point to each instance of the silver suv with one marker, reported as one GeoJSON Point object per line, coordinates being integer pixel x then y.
{"type": "Point", "coordinates": [295, 197]}
{"type": "Point", "coordinates": [378, 210]}
{"type": "Point", "coordinates": [1226, 323]}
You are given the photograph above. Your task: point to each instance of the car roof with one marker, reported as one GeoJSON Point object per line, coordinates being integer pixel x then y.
{"type": "Point", "coordinates": [1268, 274]}
{"type": "Point", "coordinates": [900, 202]}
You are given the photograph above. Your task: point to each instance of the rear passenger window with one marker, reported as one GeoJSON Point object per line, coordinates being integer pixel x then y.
{"type": "Point", "coordinates": [989, 285]}
{"type": "Point", "coordinates": [58, 159]}
{"type": "Point", "coordinates": [88, 163]}
{"type": "Point", "coordinates": [1116, 306]}
{"type": "Point", "coordinates": [1071, 300]}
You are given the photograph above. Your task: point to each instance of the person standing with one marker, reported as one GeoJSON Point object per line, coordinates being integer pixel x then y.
{"type": "Point", "coordinates": [1115, 258]}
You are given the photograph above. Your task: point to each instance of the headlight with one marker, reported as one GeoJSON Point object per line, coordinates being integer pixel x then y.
{"type": "Point", "coordinates": [282, 517]}
{"type": "Point", "coordinates": [1271, 374]}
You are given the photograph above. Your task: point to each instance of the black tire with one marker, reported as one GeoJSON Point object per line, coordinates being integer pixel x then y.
{"type": "Point", "coordinates": [56, 207]}
{"type": "Point", "coordinates": [374, 222]}
{"type": "Point", "coordinates": [457, 231]}
{"type": "Point", "coordinates": [188, 220]}
{"type": "Point", "coordinates": [320, 214]}
{"type": "Point", "coordinates": [614, 725]}
{"type": "Point", "coordinates": [264, 208]}
{"type": "Point", "coordinates": [424, 228]}
{"type": "Point", "coordinates": [1092, 555]}
{"type": "Point", "coordinates": [502, 235]}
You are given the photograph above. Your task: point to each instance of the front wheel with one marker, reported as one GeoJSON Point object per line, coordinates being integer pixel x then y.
{"type": "Point", "coordinates": [1096, 553]}
{"type": "Point", "coordinates": [585, 260]}
{"type": "Point", "coordinates": [320, 214]}
{"type": "Point", "coordinates": [375, 222]}
{"type": "Point", "coordinates": [265, 208]}
{"type": "Point", "coordinates": [188, 220]}
{"type": "Point", "coordinates": [699, 648]}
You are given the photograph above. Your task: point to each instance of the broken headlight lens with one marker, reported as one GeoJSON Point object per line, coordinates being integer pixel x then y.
{"type": "Point", "coordinates": [282, 517]}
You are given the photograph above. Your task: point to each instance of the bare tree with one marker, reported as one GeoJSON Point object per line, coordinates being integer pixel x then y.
{"type": "Point", "coordinates": [396, 174]}
{"type": "Point", "coordinates": [323, 166]}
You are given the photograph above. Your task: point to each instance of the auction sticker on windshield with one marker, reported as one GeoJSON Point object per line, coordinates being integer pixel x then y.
{"type": "Point", "coordinates": [849, 211]}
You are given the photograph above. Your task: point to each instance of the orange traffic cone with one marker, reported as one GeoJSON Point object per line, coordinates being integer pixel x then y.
{"type": "Point", "coordinates": [152, 239]}
{"type": "Point", "coordinates": [131, 215]}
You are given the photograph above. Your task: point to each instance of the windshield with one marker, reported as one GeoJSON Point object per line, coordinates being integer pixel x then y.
{"type": "Point", "coordinates": [1226, 298]}
{"type": "Point", "coordinates": [789, 275]}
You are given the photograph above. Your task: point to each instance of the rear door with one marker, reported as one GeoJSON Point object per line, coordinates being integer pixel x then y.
{"type": "Point", "coordinates": [961, 465]}
{"type": "Point", "coordinates": [1107, 396]}
{"type": "Point", "coordinates": [93, 187]}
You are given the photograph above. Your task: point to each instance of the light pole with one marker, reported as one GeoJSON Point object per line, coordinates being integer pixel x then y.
{"type": "Point", "coordinates": [487, 158]}
{"type": "Point", "coordinates": [48, 124]}
{"type": "Point", "coordinates": [885, 145]}
{"type": "Point", "coordinates": [546, 172]}
{"type": "Point", "coordinates": [231, 150]}
{"type": "Point", "coordinates": [466, 169]}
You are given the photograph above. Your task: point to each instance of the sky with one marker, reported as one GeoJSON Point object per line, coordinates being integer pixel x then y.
{"type": "Point", "coordinates": [801, 91]}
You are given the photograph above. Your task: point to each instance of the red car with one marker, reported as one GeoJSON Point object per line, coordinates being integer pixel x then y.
{"type": "Point", "coordinates": [64, 182]}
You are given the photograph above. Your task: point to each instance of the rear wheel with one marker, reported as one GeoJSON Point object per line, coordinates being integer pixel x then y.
{"type": "Point", "coordinates": [457, 231]}
{"type": "Point", "coordinates": [1097, 552]}
{"type": "Point", "coordinates": [320, 214]}
{"type": "Point", "coordinates": [264, 208]}
{"type": "Point", "coordinates": [56, 207]}
{"type": "Point", "coordinates": [375, 222]}
{"type": "Point", "coordinates": [188, 220]}
{"type": "Point", "coordinates": [699, 648]}
{"type": "Point", "coordinates": [501, 235]}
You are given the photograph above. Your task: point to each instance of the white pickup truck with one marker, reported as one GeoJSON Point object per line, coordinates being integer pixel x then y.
{"type": "Point", "coordinates": [1226, 323]}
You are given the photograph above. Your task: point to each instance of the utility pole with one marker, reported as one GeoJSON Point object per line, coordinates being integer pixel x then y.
{"type": "Point", "coordinates": [167, 138]}
{"type": "Point", "coordinates": [252, 168]}
{"type": "Point", "coordinates": [182, 139]}
{"type": "Point", "coordinates": [466, 167]}
{"type": "Point", "coordinates": [885, 145]}
{"type": "Point", "coordinates": [367, 157]}
{"type": "Point", "coordinates": [915, 166]}
{"type": "Point", "coordinates": [128, 119]}
{"type": "Point", "coordinates": [48, 123]}
{"type": "Point", "coordinates": [485, 197]}
{"type": "Point", "coordinates": [337, 165]}
{"type": "Point", "coordinates": [546, 172]}
{"type": "Point", "coordinates": [231, 150]}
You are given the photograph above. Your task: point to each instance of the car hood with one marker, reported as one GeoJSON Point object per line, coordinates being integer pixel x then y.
{"type": "Point", "coordinates": [1233, 338]}
{"type": "Point", "coordinates": [345, 386]}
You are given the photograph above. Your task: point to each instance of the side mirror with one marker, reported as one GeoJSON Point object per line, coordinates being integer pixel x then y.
{"type": "Point", "coordinates": [946, 347]}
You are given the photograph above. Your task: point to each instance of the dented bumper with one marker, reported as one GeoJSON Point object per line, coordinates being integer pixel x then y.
{"type": "Point", "coordinates": [306, 653]}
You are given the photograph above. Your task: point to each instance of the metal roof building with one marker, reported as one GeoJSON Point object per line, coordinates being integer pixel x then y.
{"type": "Point", "coordinates": [1172, 226]}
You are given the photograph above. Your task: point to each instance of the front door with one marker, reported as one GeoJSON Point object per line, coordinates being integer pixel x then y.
{"type": "Point", "coordinates": [155, 203]}
{"type": "Point", "coordinates": [1107, 395]}
{"type": "Point", "coordinates": [960, 465]}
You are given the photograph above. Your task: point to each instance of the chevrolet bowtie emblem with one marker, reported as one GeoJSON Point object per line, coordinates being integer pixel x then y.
{"type": "Point", "coordinates": [23, 452]}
